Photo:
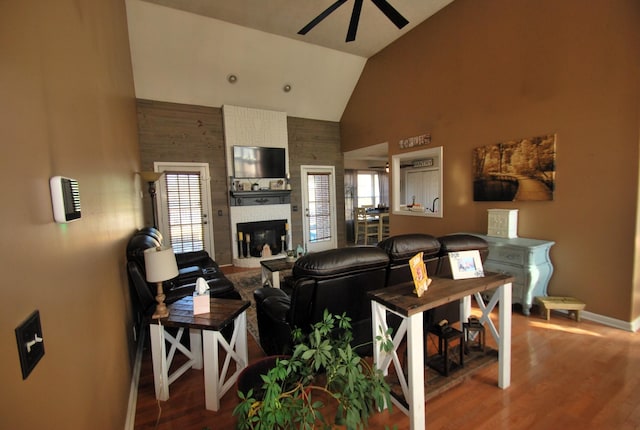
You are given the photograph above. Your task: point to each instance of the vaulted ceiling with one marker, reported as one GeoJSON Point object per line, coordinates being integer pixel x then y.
{"type": "Point", "coordinates": [287, 17]}
{"type": "Point", "coordinates": [185, 51]}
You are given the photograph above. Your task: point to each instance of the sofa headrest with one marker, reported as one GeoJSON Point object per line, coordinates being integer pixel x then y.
{"type": "Point", "coordinates": [138, 243]}
{"type": "Point", "coordinates": [334, 262]}
{"type": "Point", "coordinates": [151, 231]}
{"type": "Point", "coordinates": [402, 247]}
{"type": "Point", "coordinates": [461, 242]}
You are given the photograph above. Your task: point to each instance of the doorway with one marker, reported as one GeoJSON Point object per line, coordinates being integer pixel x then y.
{"type": "Point", "coordinates": [319, 223]}
{"type": "Point", "coordinates": [184, 205]}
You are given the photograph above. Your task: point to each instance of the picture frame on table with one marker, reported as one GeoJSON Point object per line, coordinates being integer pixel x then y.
{"type": "Point", "coordinates": [466, 264]}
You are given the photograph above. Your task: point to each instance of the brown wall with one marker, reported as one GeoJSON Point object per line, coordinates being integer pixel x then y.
{"type": "Point", "coordinates": [187, 133]}
{"type": "Point", "coordinates": [68, 108]}
{"type": "Point", "coordinates": [482, 72]}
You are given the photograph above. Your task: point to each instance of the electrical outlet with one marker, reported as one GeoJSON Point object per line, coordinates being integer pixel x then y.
{"type": "Point", "coordinates": [30, 343]}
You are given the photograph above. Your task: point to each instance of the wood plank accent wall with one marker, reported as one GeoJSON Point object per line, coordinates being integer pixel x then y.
{"type": "Point", "coordinates": [315, 142]}
{"type": "Point", "coordinates": [187, 133]}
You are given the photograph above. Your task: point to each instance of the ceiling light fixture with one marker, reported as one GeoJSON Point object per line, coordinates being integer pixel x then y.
{"type": "Point", "coordinates": [232, 78]}
{"type": "Point", "coordinates": [286, 88]}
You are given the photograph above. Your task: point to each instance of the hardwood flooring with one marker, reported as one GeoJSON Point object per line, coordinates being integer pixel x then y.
{"type": "Point", "coordinates": [565, 375]}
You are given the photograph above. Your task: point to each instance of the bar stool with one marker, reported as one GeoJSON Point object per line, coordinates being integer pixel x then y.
{"type": "Point", "coordinates": [367, 224]}
{"type": "Point", "coordinates": [474, 337]}
{"type": "Point", "coordinates": [447, 336]}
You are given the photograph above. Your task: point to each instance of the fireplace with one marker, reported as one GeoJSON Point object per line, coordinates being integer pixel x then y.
{"type": "Point", "coordinates": [253, 236]}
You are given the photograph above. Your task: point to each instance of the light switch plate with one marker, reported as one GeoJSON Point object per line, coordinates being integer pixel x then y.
{"type": "Point", "coordinates": [30, 343]}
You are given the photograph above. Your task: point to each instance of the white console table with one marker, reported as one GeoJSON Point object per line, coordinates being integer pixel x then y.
{"type": "Point", "coordinates": [525, 259]}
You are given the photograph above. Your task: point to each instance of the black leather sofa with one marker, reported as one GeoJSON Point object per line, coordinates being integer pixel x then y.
{"type": "Point", "coordinates": [339, 279]}
{"type": "Point", "coordinates": [191, 266]}
{"type": "Point", "coordinates": [336, 280]}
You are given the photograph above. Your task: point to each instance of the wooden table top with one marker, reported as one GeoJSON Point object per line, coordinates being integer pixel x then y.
{"type": "Point", "coordinates": [223, 311]}
{"type": "Point", "coordinates": [277, 264]}
{"type": "Point", "coordinates": [402, 299]}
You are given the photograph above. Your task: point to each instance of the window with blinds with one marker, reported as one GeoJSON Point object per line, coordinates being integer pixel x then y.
{"type": "Point", "coordinates": [184, 204]}
{"type": "Point", "coordinates": [319, 207]}
{"type": "Point", "coordinates": [368, 189]}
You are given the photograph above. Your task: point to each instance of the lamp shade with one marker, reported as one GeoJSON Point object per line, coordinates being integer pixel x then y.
{"type": "Point", "coordinates": [160, 264]}
{"type": "Point", "coordinates": [151, 176]}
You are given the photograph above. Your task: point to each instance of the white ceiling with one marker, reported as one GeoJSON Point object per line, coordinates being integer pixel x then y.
{"type": "Point", "coordinates": [287, 17]}
{"type": "Point", "coordinates": [373, 156]}
{"type": "Point", "coordinates": [183, 51]}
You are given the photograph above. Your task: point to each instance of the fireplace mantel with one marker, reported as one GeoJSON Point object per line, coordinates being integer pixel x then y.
{"type": "Point", "coordinates": [261, 197]}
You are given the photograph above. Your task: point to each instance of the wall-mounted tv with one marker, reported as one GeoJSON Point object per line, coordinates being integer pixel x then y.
{"type": "Point", "coordinates": [259, 162]}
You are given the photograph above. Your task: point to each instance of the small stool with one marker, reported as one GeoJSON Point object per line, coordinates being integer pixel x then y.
{"type": "Point", "coordinates": [446, 335]}
{"type": "Point", "coordinates": [473, 335]}
{"type": "Point", "coordinates": [570, 304]}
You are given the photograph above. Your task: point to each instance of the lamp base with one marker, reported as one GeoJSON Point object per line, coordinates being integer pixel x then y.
{"type": "Point", "coordinates": [161, 307]}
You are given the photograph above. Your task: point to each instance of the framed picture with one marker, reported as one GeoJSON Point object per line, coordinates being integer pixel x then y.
{"type": "Point", "coordinates": [276, 185]}
{"type": "Point", "coordinates": [466, 264]}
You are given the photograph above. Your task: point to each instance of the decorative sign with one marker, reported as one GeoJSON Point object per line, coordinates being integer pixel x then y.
{"type": "Point", "coordinates": [427, 162]}
{"type": "Point", "coordinates": [423, 139]}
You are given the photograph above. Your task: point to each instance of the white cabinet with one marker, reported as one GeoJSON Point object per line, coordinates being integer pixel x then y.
{"type": "Point", "coordinates": [525, 259]}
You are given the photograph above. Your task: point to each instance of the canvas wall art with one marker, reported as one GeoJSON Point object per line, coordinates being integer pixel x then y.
{"type": "Point", "coordinates": [516, 170]}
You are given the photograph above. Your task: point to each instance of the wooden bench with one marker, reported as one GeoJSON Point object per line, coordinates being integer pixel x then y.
{"type": "Point", "coordinates": [570, 304]}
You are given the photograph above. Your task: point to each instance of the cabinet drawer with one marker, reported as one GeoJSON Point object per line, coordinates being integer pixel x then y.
{"type": "Point", "coordinates": [507, 254]}
{"type": "Point", "coordinates": [517, 272]}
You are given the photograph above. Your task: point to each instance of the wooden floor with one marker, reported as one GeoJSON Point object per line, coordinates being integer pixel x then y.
{"type": "Point", "coordinates": [565, 375]}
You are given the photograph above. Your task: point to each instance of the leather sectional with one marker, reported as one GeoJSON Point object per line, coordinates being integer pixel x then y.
{"type": "Point", "coordinates": [338, 280]}
{"type": "Point", "coordinates": [191, 266]}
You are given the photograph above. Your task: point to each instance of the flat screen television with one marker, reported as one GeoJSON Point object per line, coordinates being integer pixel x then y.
{"type": "Point", "coordinates": [259, 162]}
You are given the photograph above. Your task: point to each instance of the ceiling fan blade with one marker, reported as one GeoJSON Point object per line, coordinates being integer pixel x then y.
{"type": "Point", "coordinates": [391, 13]}
{"type": "Point", "coordinates": [355, 18]}
{"type": "Point", "coordinates": [322, 16]}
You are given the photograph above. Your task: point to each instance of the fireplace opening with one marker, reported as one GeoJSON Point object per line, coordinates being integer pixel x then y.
{"type": "Point", "coordinates": [253, 236]}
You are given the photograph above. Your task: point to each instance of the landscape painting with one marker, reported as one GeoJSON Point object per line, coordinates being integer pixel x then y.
{"type": "Point", "coordinates": [515, 170]}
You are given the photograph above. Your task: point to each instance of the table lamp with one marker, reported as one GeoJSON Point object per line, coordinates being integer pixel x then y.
{"type": "Point", "coordinates": [160, 264]}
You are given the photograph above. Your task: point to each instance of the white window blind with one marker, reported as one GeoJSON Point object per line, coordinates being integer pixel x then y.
{"type": "Point", "coordinates": [184, 203]}
{"type": "Point", "coordinates": [319, 207]}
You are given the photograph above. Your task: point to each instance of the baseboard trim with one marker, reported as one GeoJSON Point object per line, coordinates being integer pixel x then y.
{"type": "Point", "coordinates": [135, 379]}
{"type": "Point", "coordinates": [608, 321]}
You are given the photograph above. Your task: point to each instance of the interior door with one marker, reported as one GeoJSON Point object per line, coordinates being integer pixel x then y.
{"type": "Point", "coordinates": [184, 205]}
{"type": "Point", "coordinates": [319, 207]}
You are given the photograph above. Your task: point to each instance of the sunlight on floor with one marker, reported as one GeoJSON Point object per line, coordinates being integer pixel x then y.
{"type": "Point", "coordinates": [551, 326]}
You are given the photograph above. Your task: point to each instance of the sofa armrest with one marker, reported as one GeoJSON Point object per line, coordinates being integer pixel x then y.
{"type": "Point", "coordinates": [196, 258]}
{"type": "Point", "coordinates": [272, 309]}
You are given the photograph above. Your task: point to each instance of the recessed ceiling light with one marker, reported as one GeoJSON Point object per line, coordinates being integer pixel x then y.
{"type": "Point", "coordinates": [286, 88]}
{"type": "Point", "coordinates": [232, 78]}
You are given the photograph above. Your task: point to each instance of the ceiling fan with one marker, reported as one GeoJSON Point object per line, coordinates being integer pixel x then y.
{"type": "Point", "coordinates": [384, 6]}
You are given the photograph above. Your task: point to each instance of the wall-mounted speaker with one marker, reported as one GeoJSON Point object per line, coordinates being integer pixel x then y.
{"type": "Point", "coordinates": [65, 197]}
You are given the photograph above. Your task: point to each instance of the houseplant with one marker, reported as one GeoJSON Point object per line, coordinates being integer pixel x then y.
{"type": "Point", "coordinates": [323, 366]}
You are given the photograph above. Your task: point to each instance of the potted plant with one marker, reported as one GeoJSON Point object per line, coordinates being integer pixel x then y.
{"type": "Point", "coordinates": [323, 367]}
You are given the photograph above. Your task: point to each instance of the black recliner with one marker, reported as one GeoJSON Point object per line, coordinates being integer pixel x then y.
{"type": "Point", "coordinates": [337, 280]}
